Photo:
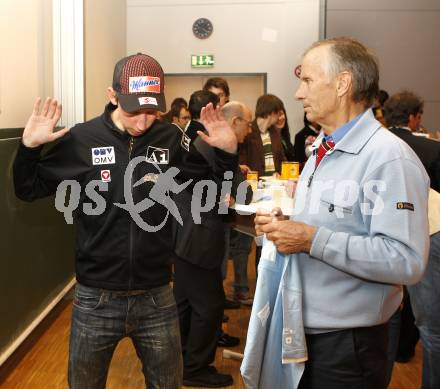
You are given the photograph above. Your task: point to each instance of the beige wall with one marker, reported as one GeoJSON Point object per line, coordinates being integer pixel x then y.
{"type": "Point", "coordinates": [250, 36]}
{"type": "Point", "coordinates": [405, 36]}
{"type": "Point", "coordinates": [26, 58]}
{"type": "Point", "coordinates": [104, 45]}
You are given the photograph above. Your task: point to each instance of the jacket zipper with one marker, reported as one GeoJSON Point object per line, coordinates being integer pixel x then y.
{"type": "Point", "coordinates": [130, 147]}
{"type": "Point", "coordinates": [310, 179]}
{"type": "Point", "coordinates": [130, 279]}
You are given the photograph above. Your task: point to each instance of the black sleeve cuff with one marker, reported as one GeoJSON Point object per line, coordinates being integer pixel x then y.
{"type": "Point", "coordinates": [30, 153]}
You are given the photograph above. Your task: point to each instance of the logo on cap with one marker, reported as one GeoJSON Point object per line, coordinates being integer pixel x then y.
{"type": "Point", "coordinates": [147, 100]}
{"type": "Point", "coordinates": [144, 84]}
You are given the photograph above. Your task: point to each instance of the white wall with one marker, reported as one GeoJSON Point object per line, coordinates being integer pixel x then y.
{"type": "Point", "coordinates": [104, 45]}
{"type": "Point", "coordinates": [163, 29]}
{"type": "Point", "coordinates": [26, 58]}
{"type": "Point", "coordinates": [405, 35]}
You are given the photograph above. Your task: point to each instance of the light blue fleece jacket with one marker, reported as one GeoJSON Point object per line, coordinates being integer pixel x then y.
{"type": "Point", "coordinates": [275, 347]}
{"type": "Point", "coordinates": [368, 198]}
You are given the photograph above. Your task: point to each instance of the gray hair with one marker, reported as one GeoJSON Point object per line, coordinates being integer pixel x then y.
{"type": "Point", "coordinates": [233, 108]}
{"type": "Point", "coordinates": [349, 54]}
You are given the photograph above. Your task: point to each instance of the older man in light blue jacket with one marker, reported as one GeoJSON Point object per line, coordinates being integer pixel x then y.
{"type": "Point", "coordinates": [360, 229]}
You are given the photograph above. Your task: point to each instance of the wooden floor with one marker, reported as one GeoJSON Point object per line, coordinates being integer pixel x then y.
{"type": "Point", "coordinates": [42, 361]}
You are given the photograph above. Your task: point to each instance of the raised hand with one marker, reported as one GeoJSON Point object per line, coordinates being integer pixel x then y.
{"type": "Point", "coordinates": [220, 134]}
{"type": "Point", "coordinates": [40, 125]}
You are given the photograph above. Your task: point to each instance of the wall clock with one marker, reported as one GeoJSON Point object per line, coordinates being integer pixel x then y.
{"type": "Point", "coordinates": [202, 28]}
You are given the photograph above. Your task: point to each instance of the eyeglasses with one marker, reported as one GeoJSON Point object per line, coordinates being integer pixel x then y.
{"type": "Point", "coordinates": [248, 123]}
{"type": "Point", "coordinates": [185, 117]}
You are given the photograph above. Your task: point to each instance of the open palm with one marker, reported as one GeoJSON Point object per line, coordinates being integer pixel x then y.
{"type": "Point", "coordinates": [41, 124]}
{"type": "Point", "coordinates": [220, 134]}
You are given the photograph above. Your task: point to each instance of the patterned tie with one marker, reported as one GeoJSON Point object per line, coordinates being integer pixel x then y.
{"type": "Point", "coordinates": [325, 146]}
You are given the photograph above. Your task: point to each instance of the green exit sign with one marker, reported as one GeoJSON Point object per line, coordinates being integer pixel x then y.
{"type": "Point", "coordinates": [202, 61]}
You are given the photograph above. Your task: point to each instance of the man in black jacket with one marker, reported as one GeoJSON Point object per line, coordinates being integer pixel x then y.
{"type": "Point", "coordinates": [403, 114]}
{"type": "Point", "coordinates": [303, 139]}
{"type": "Point", "coordinates": [127, 163]}
{"type": "Point", "coordinates": [200, 249]}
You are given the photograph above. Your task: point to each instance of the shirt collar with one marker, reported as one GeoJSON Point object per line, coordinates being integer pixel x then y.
{"type": "Point", "coordinates": [108, 121]}
{"type": "Point", "coordinates": [403, 128]}
{"type": "Point", "coordinates": [343, 130]}
{"type": "Point", "coordinates": [364, 128]}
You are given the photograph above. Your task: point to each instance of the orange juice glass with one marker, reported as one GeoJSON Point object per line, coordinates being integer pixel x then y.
{"type": "Point", "coordinates": [252, 175]}
{"type": "Point", "coordinates": [289, 170]}
{"type": "Point", "coordinates": [252, 178]}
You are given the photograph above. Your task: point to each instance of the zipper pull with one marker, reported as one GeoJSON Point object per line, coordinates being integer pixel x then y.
{"type": "Point", "coordinates": [309, 182]}
{"type": "Point", "coordinates": [130, 147]}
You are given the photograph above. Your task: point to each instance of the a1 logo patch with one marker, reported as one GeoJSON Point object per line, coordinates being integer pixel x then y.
{"type": "Point", "coordinates": [158, 155]}
{"type": "Point", "coordinates": [106, 176]}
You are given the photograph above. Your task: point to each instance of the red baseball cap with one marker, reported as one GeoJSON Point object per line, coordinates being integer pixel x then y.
{"type": "Point", "coordinates": [139, 83]}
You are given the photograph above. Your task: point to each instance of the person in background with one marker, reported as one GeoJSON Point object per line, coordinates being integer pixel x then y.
{"type": "Point", "coordinates": [176, 105]}
{"type": "Point", "coordinates": [220, 87]}
{"type": "Point", "coordinates": [378, 104]}
{"type": "Point", "coordinates": [262, 150]}
{"type": "Point", "coordinates": [180, 117]}
{"type": "Point", "coordinates": [304, 139]}
{"type": "Point", "coordinates": [403, 113]}
{"type": "Point", "coordinates": [198, 282]}
{"type": "Point", "coordinates": [239, 117]}
{"type": "Point", "coordinates": [283, 126]}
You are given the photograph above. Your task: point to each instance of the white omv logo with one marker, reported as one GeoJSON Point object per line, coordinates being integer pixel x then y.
{"type": "Point", "coordinates": [103, 155]}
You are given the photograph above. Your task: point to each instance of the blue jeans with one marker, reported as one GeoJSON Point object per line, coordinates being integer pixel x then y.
{"type": "Point", "coordinates": [425, 301]}
{"type": "Point", "coordinates": [101, 318]}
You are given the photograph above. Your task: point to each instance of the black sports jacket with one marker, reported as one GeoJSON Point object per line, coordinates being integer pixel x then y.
{"type": "Point", "coordinates": [112, 250]}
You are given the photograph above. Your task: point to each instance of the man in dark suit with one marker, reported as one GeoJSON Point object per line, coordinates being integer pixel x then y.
{"type": "Point", "coordinates": [403, 114]}
{"type": "Point", "coordinates": [200, 249]}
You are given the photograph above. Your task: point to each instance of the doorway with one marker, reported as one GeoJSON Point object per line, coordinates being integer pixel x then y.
{"type": "Point", "coordinates": [245, 87]}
